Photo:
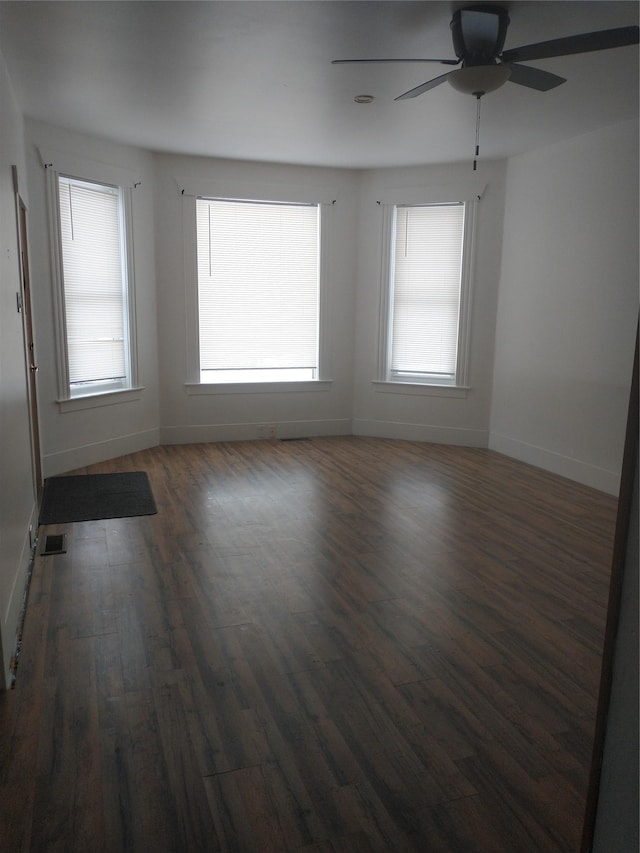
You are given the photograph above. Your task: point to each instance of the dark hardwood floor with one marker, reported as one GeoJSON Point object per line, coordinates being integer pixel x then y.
{"type": "Point", "coordinates": [338, 644]}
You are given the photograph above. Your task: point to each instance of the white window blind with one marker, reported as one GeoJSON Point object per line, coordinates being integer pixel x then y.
{"type": "Point", "coordinates": [258, 289]}
{"type": "Point", "coordinates": [425, 307]}
{"type": "Point", "coordinates": [94, 286]}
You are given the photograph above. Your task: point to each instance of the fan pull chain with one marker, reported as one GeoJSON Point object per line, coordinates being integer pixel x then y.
{"type": "Point", "coordinates": [475, 160]}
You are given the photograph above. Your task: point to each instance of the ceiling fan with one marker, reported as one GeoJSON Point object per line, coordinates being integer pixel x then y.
{"type": "Point", "coordinates": [479, 34]}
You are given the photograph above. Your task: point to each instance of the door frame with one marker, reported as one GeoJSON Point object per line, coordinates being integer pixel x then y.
{"type": "Point", "coordinates": [25, 307]}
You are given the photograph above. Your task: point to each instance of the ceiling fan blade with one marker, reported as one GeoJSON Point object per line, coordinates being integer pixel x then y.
{"type": "Point", "coordinates": [584, 43]}
{"type": "Point", "coordinates": [534, 78]}
{"type": "Point", "coordinates": [423, 87]}
{"type": "Point", "coordinates": [441, 61]}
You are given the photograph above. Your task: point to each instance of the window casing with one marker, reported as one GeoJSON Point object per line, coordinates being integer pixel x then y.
{"type": "Point", "coordinates": [426, 294]}
{"type": "Point", "coordinates": [92, 260]}
{"type": "Point", "coordinates": [258, 291]}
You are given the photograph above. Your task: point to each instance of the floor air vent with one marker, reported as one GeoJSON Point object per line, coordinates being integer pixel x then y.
{"type": "Point", "coordinates": [56, 543]}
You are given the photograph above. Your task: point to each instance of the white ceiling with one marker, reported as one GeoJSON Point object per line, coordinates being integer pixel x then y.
{"type": "Point", "coordinates": [253, 80]}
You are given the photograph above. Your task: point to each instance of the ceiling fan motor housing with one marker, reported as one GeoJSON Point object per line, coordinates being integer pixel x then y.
{"type": "Point", "coordinates": [478, 33]}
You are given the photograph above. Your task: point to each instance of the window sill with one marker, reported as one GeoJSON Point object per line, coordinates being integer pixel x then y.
{"type": "Point", "coordinates": [94, 401]}
{"type": "Point", "coordinates": [420, 389]}
{"type": "Point", "coordinates": [199, 389]}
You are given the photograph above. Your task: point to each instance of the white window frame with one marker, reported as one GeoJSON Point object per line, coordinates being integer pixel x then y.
{"type": "Point", "coordinates": [59, 165]}
{"type": "Point", "coordinates": [412, 384]}
{"type": "Point", "coordinates": [266, 193]}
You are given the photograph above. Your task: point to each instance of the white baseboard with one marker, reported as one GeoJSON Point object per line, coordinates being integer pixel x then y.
{"type": "Point", "coordinates": [557, 463]}
{"type": "Point", "coordinates": [251, 431]}
{"type": "Point", "coordinates": [564, 466]}
{"type": "Point", "coordinates": [101, 451]}
{"type": "Point", "coordinates": [13, 613]}
{"type": "Point", "coordinates": [421, 432]}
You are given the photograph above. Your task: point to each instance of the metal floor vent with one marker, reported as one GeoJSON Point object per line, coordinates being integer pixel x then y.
{"type": "Point", "coordinates": [56, 543]}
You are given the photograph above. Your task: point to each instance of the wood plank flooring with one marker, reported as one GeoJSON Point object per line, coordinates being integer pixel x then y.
{"type": "Point", "coordinates": [336, 644]}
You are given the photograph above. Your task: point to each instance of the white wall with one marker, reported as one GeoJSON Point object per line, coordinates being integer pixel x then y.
{"type": "Point", "coordinates": [226, 416]}
{"type": "Point", "coordinates": [71, 439]}
{"type": "Point", "coordinates": [434, 415]}
{"type": "Point", "coordinates": [568, 306]}
{"type": "Point", "coordinates": [17, 492]}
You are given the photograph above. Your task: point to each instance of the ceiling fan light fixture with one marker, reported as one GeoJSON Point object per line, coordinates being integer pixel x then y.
{"type": "Point", "coordinates": [479, 79]}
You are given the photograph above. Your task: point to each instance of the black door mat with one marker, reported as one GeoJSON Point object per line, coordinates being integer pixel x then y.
{"type": "Point", "coordinates": [87, 497]}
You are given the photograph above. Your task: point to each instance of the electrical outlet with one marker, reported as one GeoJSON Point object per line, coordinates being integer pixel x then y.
{"type": "Point", "coordinates": [261, 431]}
{"type": "Point", "coordinates": [272, 430]}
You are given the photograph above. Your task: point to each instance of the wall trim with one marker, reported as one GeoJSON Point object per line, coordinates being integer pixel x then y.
{"type": "Point", "coordinates": [557, 463]}
{"type": "Point", "coordinates": [421, 432]}
{"type": "Point", "coordinates": [13, 614]}
{"type": "Point", "coordinates": [565, 466]}
{"type": "Point", "coordinates": [99, 451]}
{"type": "Point", "coordinates": [199, 434]}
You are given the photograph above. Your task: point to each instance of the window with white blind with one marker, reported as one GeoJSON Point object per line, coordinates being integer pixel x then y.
{"type": "Point", "coordinates": [258, 272]}
{"type": "Point", "coordinates": [428, 294]}
{"type": "Point", "coordinates": [95, 287]}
